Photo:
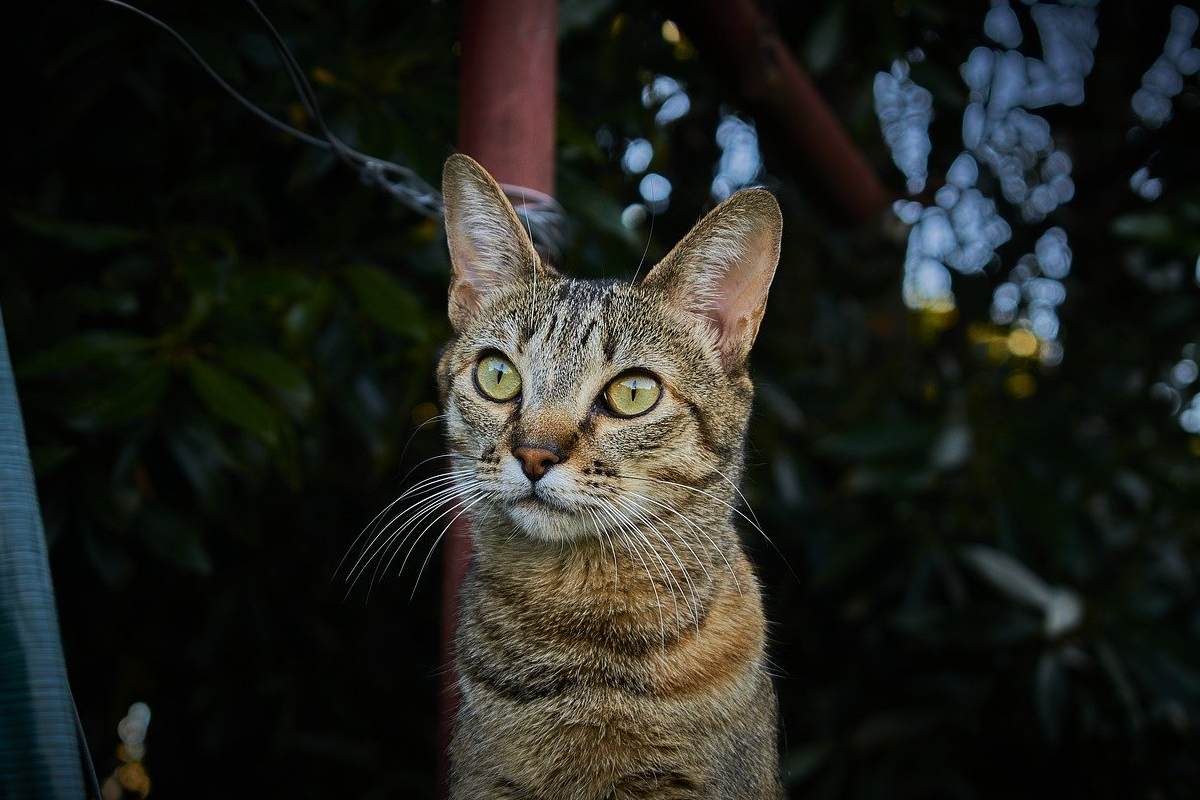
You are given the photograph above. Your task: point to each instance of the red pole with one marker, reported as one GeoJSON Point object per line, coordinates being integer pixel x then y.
{"type": "Point", "coordinates": [506, 123]}
{"type": "Point", "coordinates": [737, 36]}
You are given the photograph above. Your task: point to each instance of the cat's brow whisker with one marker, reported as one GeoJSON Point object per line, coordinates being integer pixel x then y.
{"type": "Point", "coordinates": [418, 429]}
{"type": "Point", "coordinates": [645, 251]}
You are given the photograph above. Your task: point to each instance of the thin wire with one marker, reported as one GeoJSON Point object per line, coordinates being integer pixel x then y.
{"type": "Point", "coordinates": [212, 73]}
{"type": "Point", "coordinates": [544, 215]}
{"type": "Point", "coordinates": [645, 252]}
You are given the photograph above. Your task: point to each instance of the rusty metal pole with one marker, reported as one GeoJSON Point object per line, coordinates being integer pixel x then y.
{"type": "Point", "coordinates": [737, 37]}
{"type": "Point", "coordinates": [506, 123]}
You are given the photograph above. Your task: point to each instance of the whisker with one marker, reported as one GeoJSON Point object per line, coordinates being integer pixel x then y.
{"type": "Point", "coordinates": [646, 251]}
{"type": "Point", "coordinates": [686, 576]}
{"type": "Point", "coordinates": [697, 529]}
{"type": "Point", "coordinates": [605, 538]}
{"type": "Point", "coordinates": [728, 505]}
{"type": "Point", "coordinates": [698, 490]}
{"type": "Point", "coordinates": [416, 430]}
{"type": "Point", "coordinates": [737, 489]}
{"type": "Point", "coordinates": [421, 512]}
{"type": "Point", "coordinates": [668, 581]}
{"type": "Point", "coordinates": [369, 526]}
{"type": "Point", "coordinates": [430, 485]}
{"type": "Point", "coordinates": [418, 508]}
{"type": "Point", "coordinates": [684, 540]}
{"type": "Point", "coordinates": [438, 541]}
{"type": "Point", "coordinates": [382, 568]}
{"type": "Point", "coordinates": [471, 489]}
{"type": "Point", "coordinates": [605, 509]}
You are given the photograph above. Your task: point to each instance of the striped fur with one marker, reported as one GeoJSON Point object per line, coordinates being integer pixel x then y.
{"type": "Point", "coordinates": [611, 639]}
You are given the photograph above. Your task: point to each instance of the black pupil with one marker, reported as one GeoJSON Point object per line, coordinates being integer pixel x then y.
{"type": "Point", "coordinates": [633, 390]}
{"type": "Point", "coordinates": [499, 369]}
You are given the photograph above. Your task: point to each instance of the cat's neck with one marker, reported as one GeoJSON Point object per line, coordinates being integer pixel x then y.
{"type": "Point", "coordinates": [658, 582]}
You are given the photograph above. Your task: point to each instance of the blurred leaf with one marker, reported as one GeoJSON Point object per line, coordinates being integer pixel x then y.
{"type": "Point", "coordinates": [387, 302]}
{"type": "Point", "coordinates": [79, 235]}
{"type": "Point", "coordinates": [798, 765]}
{"type": "Point", "coordinates": [1050, 687]}
{"type": "Point", "coordinates": [175, 539]}
{"type": "Point", "coordinates": [877, 442]}
{"type": "Point", "coordinates": [1008, 575]}
{"type": "Point", "coordinates": [267, 366]}
{"type": "Point", "coordinates": [202, 458]}
{"type": "Point", "coordinates": [576, 15]}
{"type": "Point", "coordinates": [1148, 227]}
{"type": "Point", "coordinates": [1111, 664]}
{"type": "Point", "coordinates": [83, 350]}
{"type": "Point", "coordinates": [824, 39]}
{"type": "Point", "coordinates": [233, 401]}
{"type": "Point", "coordinates": [123, 400]}
{"type": "Point", "coordinates": [47, 458]}
{"type": "Point", "coordinates": [121, 303]}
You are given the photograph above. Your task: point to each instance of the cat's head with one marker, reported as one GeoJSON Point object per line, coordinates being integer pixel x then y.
{"type": "Point", "coordinates": [579, 405]}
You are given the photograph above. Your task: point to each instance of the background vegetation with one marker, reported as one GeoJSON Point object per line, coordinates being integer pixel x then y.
{"type": "Point", "coordinates": [224, 342]}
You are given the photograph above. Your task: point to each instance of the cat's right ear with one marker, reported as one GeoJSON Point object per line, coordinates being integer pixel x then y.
{"type": "Point", "coordinates": [489, 248]}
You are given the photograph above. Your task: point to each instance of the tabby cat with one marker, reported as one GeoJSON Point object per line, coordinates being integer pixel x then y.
{"type": "Point", "coordinates": [611, 638]}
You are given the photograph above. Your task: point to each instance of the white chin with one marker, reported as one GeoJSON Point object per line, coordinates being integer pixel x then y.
{"type": "Point", "coordinates": [540, 520]}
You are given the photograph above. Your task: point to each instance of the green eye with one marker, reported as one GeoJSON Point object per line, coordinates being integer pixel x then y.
{"type": "Point", "coordinates": [497, 378]}
{"type": "Point", "coordinates": [632, 394]}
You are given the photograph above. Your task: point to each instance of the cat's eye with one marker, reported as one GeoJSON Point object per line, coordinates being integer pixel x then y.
{"type": "Point", "coordinates": [497, 378]}
{"type": "Point", "coordinates": [632, 394]}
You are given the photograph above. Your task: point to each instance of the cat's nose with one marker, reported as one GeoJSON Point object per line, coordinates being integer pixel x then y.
{"type": "Point", "coordinates": [536, 460]}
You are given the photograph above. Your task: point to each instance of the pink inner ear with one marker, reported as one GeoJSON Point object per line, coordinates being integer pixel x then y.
{"type": "Point", "coordinates": [740, 298]}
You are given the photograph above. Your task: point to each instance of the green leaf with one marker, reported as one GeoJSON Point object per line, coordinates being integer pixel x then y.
{"type": "Point", "coordinates": [799, 765]}
{"type": "Point", "coordinates": [386, 301]}
{"type": "Point", "coordinates": [1148, 227]}
{"type": "Point", "coordinates": [876, 442]}
{"type": "Point", "coordinates": [203, 460]}
{"type": "Point", "coordinates": [233, 401]}
{"type": "Point", "coordinates": [266, 366]}
{"type": "Point", "coordinates": [123, 400]}
{"type": "Point", "coordinates": [79, 235]}
{"type": "Point", "coordinates": [50, 457]}
{"type": "Point", "coordinates": [86, 349]}
{"type": "Point", "coordinates": [176, 539]}
{"type": "Point", "coordinates": [1050, 693]}
{"type": "Point", "coordinates": [274, 371]}
{"type": "Point", "coordinates": [825, 39]}
{"type": "Point", "coordinates": [579, 15]}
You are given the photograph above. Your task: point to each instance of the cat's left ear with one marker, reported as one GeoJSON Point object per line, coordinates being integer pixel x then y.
{"type": "Point", "coordinates": [721, 271]}
{"type": "Point", "coordinates": [490, 251]}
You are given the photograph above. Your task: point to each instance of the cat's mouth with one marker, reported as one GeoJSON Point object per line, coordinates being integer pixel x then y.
{"type": "Point", "coordinates": [542, 501]}
{"type": "Point", "coordinates": [536, 499]}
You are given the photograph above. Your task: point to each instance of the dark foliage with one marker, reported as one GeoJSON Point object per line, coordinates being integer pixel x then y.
{"type": "Point", "coordinates": [224, 346]}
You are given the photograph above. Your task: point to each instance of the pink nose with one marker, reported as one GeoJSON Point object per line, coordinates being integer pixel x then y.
{"type": "Point", "coordinates": [535, 460]}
